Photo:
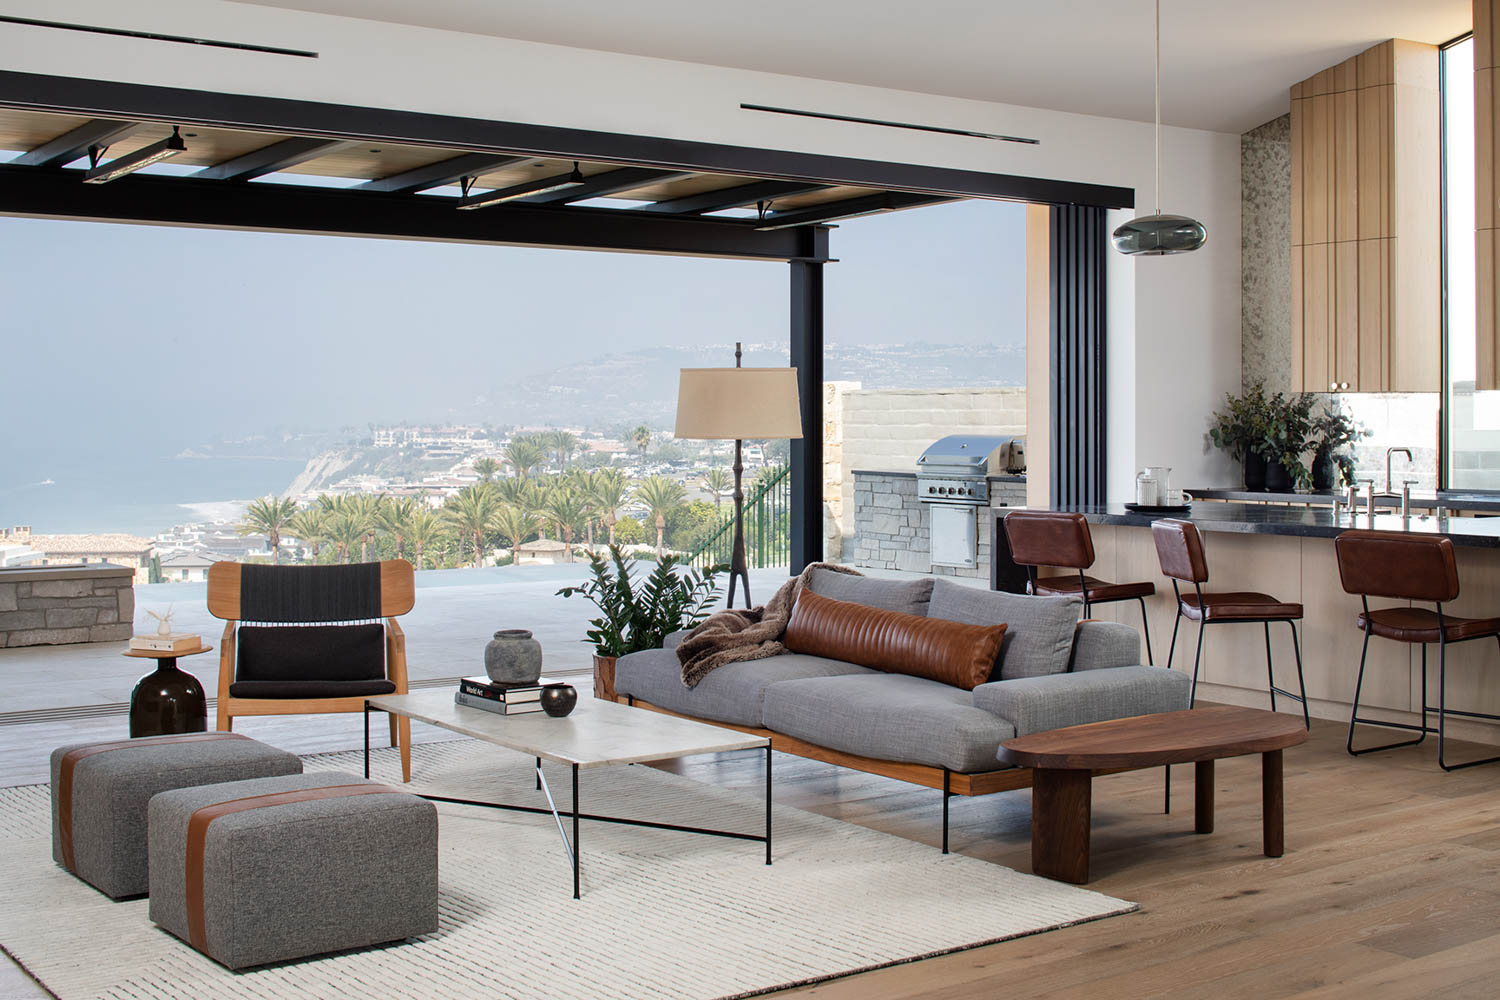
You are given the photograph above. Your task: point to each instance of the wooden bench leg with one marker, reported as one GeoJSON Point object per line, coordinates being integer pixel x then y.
{"type": "Point", "coordinates": [1272, 811]}
{"type": "Point", "coordinates": [1203, 797]}
{"type": "Point", "coordinates": [1060, 814]}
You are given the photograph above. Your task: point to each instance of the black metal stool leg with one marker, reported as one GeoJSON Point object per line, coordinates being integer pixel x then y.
{"type": "Point", "coordinates": [1354, 718]}
{"type": "Point", "coordinates": [1270, 670]}
{"type": "Point", "coordinates": [1443, 712]}
{"type": "Point", "coordinates": [1172, 649]}
{"type": "Point", "coordinates": [1146, 628]}
{"type": "Point", "coordinates": [1301, 684]}
{"type": "Point", "coordinates": [1197, 661]}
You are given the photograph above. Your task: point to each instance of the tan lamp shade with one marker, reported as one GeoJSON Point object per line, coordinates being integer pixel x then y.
{"type": "Point", "coordinates": [738, 403]}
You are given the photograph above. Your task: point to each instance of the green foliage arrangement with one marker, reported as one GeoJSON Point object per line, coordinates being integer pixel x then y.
{"type": "Point", "coordinates": [1336, 431]}
{"type": "Point", "coordinates": [637, 615]}
{"type": "Point", "coordinates": [1241, 426]}
{"type": "Point", "coordinates": [1277, 427]}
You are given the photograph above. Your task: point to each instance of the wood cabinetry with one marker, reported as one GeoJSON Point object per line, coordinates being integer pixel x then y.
{"type": "Point", "coordinates": [1365, 224]}
{"type": "Point", "coordinates": [1486, 211]}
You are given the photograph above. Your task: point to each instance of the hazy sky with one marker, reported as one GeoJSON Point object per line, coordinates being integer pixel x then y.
{"type": "Point", "coordinates": [119, 334]}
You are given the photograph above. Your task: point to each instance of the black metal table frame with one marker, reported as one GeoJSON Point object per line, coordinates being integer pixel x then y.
{"type": "Point", "coordinates": [572, 846]}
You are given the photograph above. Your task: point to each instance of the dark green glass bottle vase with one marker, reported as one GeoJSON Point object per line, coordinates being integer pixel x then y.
{"type": "Point", "coordinates": [168, 701]}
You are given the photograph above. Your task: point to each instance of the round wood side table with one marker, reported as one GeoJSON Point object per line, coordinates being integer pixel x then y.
{"type": "Point", "coordinates": [168, 700]}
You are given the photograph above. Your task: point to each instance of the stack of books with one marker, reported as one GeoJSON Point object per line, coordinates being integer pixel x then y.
{"type": "Point", "coordinates": [173, 642]}
{"type": "Point", "coordinates": [502, 699]}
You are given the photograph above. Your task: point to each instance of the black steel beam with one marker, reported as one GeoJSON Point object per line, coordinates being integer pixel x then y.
{"type": "Point", "coordinates": [1077, 360]}
{"type": "Point", "coordinates": [607, 183]}
{"type": "Point", "coordinates": [849, 208]}
{"type": "Point", "coordinates": [29, 191]}
{"type": "Point", "coordinates": [448, 171]}
{"type": "Point", "coordinates": [733, 197]}
{"type": "Point", "coordinates": [807, 452]}
{"type": "Point", "coordinates": [72, 144]}
{"type": "Point", "coordinates": [174, 105]}
{"type": "Point", "coordinates": [269, 159]}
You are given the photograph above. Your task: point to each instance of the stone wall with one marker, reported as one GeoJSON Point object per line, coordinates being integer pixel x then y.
{"type": "Point", "coordinates": [65, 604]}
{"type": "Point", "coordinates": [887, 429]}
{"type": "Point", "coordinates": [893, 529]}
{"type": "Point", "coordinates": [1266, 254]}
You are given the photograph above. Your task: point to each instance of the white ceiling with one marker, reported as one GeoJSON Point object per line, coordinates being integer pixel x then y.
{"type": "Point", "coordinates": [1227, 64]}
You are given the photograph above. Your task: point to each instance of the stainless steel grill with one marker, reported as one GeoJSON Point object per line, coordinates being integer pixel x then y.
{"type": "Point", "coordinates": [953, 479]}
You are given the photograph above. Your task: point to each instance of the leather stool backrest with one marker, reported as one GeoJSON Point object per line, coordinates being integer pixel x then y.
{"type": "Point", "coordinates": [1397, 565]}
{"type": "Point", "coordinates": [1179, 549]}
{"type": "Point", "coordinates": [1049, 538]}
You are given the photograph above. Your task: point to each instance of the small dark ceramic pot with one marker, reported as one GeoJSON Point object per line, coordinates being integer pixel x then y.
{"type": "Point", "coordinates": [1255, 473]}
{"type": "Point", "coordinates": [1278, 479]}
{"type": "Point", "coordinates": [558, 699]}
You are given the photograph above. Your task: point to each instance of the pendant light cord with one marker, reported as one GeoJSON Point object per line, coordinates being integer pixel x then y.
{"type": "Point", "coordinates": [1158, 107]}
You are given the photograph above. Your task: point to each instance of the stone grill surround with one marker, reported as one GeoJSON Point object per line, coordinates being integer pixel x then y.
{"type": "Point", "coordinates": [892, 528]}
{"type": "Point", "coordinates": [64, 604]}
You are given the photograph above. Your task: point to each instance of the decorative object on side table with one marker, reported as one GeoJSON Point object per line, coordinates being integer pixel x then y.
{"type": "Point", "coordinates": [513, 657]}
{"type": "Point", "coordinates": [559, 699]}
{"type": "Point", "coordinates": [633, 620]}
{"type": "Point", "coordinates": [169, 700]}
{"type": "Point", "coordinates": [738, 403]}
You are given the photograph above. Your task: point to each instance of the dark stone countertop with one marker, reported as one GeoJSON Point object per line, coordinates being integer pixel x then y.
{"type": "Point", "coordinates": [1452, 499]}
{"type": "Point", "coordinates": [1302, 522]}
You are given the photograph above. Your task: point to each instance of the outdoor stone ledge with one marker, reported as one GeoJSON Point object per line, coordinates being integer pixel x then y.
{"type": "Point", "coordinates": [56, 605]}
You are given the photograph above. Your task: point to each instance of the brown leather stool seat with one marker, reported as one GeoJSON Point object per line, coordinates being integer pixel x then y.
{"type": "Point", "coordinates": [1055, 538]}
{"type": "Point", "coordinates": [1408, 567]}
{"type": "Point", "coordinates": [1237, 606]}
{"type": "Point", "coordinates": [1179, 549]}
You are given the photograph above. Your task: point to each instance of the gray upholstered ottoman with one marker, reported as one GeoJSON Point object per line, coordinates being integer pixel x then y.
{"type": "Point", "coordinates": [100, 792]}
{"type": "Point", "coordinates": [277, 868]}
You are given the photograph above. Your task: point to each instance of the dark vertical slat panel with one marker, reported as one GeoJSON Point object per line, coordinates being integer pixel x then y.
{"type": "Point", "coordinates": [1077, 355]}
{"type": "Point", "coordinates": [806, 529]}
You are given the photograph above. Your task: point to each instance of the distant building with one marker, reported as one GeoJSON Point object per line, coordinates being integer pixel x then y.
{"type": "Point", "coordinates": [541, 552]}
{"type": "Point", "coordinates": [185, 567]}
{"type": "Point", "coordinates": [72, 550]}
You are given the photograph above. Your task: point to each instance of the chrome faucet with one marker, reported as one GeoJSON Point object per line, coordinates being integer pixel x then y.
{"type": "Point", "coordinates": [1388, 492]}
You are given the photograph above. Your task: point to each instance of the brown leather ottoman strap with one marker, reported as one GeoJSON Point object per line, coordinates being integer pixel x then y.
{"type": "Point", "coordinates": [197, 837]}
{"type": "Point", "coordinates": [70, 761]}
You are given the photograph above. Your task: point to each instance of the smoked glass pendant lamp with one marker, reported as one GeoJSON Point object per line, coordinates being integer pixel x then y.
{"type": "Point", "coordinates": [1154, 235]}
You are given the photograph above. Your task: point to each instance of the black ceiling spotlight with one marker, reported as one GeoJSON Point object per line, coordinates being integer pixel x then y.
{"type": "Point", "coordinates": [542, 185]}
{"type": "Point", "coordinates": [103, 173]}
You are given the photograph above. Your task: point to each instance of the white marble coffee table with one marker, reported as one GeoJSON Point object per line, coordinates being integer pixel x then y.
{"type": "Point", "coordinates": [595, 734]}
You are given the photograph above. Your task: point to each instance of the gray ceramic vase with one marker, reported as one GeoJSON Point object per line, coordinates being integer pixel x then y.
{"type": "Point", "coordinates": [513, 657]}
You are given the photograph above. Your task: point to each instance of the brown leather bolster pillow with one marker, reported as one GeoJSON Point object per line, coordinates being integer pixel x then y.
{"type": "Point", "coordinates": [934, 648]}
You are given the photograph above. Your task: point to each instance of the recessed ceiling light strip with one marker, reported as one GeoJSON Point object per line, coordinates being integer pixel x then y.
{"type": "Point", "coordinates": [887, 124]}
{"type": "Point", "coordinates": [155, 36]}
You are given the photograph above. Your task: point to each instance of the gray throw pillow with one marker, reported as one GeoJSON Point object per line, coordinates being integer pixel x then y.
{"type": "Point", "coordinates": [1039, 640]}
{"type": "Point", "coordinates": [907, 596]}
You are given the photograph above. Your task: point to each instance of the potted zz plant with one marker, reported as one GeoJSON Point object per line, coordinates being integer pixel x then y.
{"type": "Point", "coordinates": [1240, 429]}
{"type": "Point", "coordinates": [1335, 431]}
{"type": "Point", "coordinates": [639, 614]}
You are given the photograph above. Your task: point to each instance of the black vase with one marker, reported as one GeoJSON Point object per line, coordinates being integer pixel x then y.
{"type": "Point", "coordinates": [1278, 480]}
{"type": "Point", "coordinates": [1255, 472]}
{"type": "Point", "coordinates": [1322, 471]}
{"type": "Point", "coordinates": [558, 699]}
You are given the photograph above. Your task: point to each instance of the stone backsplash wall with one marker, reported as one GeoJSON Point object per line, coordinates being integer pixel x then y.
{"type": "Point", "coordinates": [1266, 254]}
{"type": "Point", "coordinates": [893, 530]}
{"type": "Point", "coordinates": [52, 606]}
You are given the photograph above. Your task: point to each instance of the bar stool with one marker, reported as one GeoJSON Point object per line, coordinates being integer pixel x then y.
{"type": "Point", "coordinates": [1053, 538]}
{"type": "Point", "coordinates": [1180, 550]}
{"type": "Point", "coordinates": [1406, 567]}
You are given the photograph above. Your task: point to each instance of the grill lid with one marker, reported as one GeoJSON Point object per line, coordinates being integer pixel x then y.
{"type": "Point", "coordinates": [966, 455]}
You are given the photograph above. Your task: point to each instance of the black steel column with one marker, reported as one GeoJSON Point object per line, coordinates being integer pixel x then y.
{"type": "Point", "coordinates": [807, 453]}
{"type": "Point", "coordinates": [1077, 354]}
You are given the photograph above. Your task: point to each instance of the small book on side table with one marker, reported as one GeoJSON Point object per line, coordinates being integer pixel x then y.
{"type": "Point", "coordinates": [510, 694]}
{"type": "Point", "coordinates": [176, 642]}
{"type": "Point", "coordinates": [497, 707]}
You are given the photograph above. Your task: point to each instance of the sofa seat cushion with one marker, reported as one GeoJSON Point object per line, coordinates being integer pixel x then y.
{"type": "Point", "coordinates": [733, 693]}
{"type": "Point", "coordinates": [950, 652]}
{"type": "Point", "coordinates": [907, 596]}
{"type": "Point", "coordinates": [889, 717]}
{"type": "Point", "coordinates": [1040, 637]}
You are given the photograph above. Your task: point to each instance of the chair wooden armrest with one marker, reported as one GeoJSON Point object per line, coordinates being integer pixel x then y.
{"type": "Point", "coordinates": [226, 676]}
{"type": "Point", "coordinates": [395, 668]}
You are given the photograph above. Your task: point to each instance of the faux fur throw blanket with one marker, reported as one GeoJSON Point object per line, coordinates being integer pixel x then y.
{"type": "Point", "coordinates": [732, 636]}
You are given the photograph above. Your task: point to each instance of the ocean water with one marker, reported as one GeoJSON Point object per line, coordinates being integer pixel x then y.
{"type": "Point", "coordinates": [140, 497]}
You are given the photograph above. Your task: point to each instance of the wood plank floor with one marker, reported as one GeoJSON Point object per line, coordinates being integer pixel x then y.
{"type": "Point", "coordinates": [1390, 886]}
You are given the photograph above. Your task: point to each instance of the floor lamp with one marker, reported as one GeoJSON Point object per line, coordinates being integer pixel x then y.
{"type": "Point", "coordinates": [738, 403]}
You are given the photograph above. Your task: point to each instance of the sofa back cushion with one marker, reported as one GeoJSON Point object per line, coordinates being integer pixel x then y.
{"type": "Point", "coordinates": [908, 596]}
{"type": "Point", "coordinates": [1040, 638]}
{"type": "Point", "coordinates": [945, 651]}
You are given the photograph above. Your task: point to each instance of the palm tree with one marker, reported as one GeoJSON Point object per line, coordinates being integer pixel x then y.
{"type": "Point", "coordinates": [513, 525]}
{"type": "Point", "coordinates": [717, 481]}
{"type": "Point", "coordinates": [661, 496]}
{"type": "Point", "coordinates": [470, 511]}
{"type": "Point", "coordinates": [607, 490]}
{"type": "Point", "coordinates": [524, 454]}
{"type": "Point", "coordinates": [565, 505]}
{"type": "Point", "coordinates": [346, 530]}
{"type": "Point", "coordinates": [487, 469]}
{"type": "Point", "coordinates": [268, 516]}
{"type": "Point", "coordinates": [641, 438]}
{"type": "Point", "coordinates": [562, 445]}
{"type": "Point", "coordinates": [310, 527]}
{"type": "Point", "coordinates": [423, 529]}
{"type": "Point", "coordinates": [394, 516]}
{"type": "Point", "coordinates": [367, 509]}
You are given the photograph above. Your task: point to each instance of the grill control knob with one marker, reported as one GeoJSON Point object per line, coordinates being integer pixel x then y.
{"type": "Point", "coordinates": [932, 489]}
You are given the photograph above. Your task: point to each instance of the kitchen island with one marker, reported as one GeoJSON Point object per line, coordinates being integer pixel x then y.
{"type": "Point", "coordinates": [1453, 500]}
{"type": "Point", "coordinates": [1288, 552]}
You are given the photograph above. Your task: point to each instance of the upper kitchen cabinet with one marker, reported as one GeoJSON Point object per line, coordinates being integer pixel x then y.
{"type": "Point", "coordinates": [1487, 188]}
{"type": "Point", "coordinates": [1366, 198]}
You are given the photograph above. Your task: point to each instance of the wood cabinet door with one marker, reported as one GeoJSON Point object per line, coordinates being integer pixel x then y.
{"type": "Point", "coordinates": [1317, 302]}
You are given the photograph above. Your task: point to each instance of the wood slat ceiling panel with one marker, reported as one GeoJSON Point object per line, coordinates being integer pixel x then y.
{"type": "Point", "coordinates": [26, 130]}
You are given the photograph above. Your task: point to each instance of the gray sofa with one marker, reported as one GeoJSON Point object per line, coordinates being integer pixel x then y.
{"type": "Point", "coordinates": [1054, 670]}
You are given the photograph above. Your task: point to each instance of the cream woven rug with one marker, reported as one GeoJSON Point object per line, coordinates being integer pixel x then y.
{"type": "Point", "coordinates": [663, 914]}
